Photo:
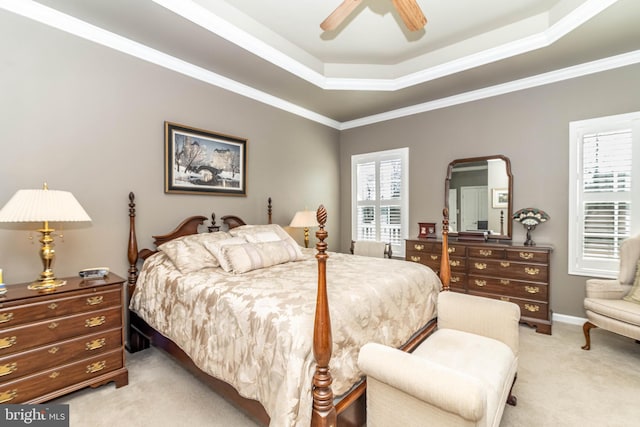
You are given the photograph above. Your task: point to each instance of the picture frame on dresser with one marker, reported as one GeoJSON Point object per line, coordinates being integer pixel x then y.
{"type": "Point", "coordinates": [198, 161]}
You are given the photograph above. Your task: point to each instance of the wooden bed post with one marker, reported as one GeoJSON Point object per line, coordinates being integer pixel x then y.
{"type": "Point", "coordinates": [323, 412]}
{"type": "Point", "coordinates": [445, 267]}
{"type": "Point", "coordinates": [132, 251]}
{"type": "Point", "coordinates": [269, 209]}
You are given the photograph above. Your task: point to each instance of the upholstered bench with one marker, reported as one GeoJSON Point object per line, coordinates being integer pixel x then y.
{"type": "Point", "coordinates": [461, 375]}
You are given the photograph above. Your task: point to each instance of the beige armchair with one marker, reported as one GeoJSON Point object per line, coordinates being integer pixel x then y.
{"type": "Point", "coordinates": [609, 304]}
{"type": "Point", "coordinates": [461, 375]}
{"type": "Point", "coordinates": [371, 248]}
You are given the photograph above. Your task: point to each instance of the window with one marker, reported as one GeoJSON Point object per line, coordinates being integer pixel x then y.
{"type": "Point", "coordinates": [380, 202]}
{"type": "Point", "coordinates": [604, 175]}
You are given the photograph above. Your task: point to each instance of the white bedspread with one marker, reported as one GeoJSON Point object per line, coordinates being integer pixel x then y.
{"type": "Point", "coordinates": [255, 330]}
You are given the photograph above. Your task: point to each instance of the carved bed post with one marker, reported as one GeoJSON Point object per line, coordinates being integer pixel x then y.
{"type": "Point", "coordinates": [445, 267]}
{"type": "Point", "coordinates": [132, 251]}
{"type": "Point", "coordinates": [324, 412]}
{"type": "Point", "coordinates": [269, 210]}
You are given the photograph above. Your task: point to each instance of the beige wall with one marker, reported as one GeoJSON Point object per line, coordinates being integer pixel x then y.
{"type": "Point", "coordinates": [531, 127]}
{"type": "Point", "coordinates": [89, 120]}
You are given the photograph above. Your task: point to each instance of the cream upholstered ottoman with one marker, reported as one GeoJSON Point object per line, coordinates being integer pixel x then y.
{"type": "Point", "coordinates": [461, 375]}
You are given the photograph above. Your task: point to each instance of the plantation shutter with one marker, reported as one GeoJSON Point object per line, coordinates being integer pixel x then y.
{"type": "Point", "coordinates": [603, 192]}
{"type": "Point", "coordinates": [606, 187]}
{"type": "Point", "coordinates": [380, 202]}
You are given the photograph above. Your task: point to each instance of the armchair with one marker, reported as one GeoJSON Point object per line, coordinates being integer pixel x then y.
{"type": "Point", "coordinates": [614, 304]}
{"type": "Point", "coordinates": [462, 375]}
{"type": "Point", "coordinates": [371, 248]}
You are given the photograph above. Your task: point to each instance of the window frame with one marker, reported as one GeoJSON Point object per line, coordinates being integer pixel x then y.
{"type": "Point", "coordinates": [577, 263]}
{"type": "Point", "coordinates": [403, 202]}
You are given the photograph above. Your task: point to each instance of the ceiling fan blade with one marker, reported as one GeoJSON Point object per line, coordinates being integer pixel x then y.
{"type": "Point", "coordinates": [338, 15]}
{"type": "Point", "coordinates": [411, 14]}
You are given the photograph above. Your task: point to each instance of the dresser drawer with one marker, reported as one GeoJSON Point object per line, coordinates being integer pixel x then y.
{"type": "Point", "coordinates": [26, 388]}
{"type": "Point", "coordinates": [20, 314]}
{"type": "Point", "coordinates": [30, 361]}
{"type": "Point", "coordinates": [419, 246]}
{"type": "Point", "coordinates": [509, 270]}
{"type": "Point", "coordinates": [429, 259]}
{"type": "Point", "coordinates": [457, 281]}
{"type": "Point", "coordinates": [528, 308]}
{"type": "Point", "coordinates": [485, 253]}
{"type": "Point", "coordinates": [508, 287]}
{"type": "Point", "coordinates": [526, 255]}
{"type": "Point", "coordinates": [454, 249]}
{"type": "Point", "coordinates": [59, 328]}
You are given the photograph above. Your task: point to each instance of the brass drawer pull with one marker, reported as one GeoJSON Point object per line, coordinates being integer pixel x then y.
{"type": "Point", "coordinates": [95, 300]}
{"type": "Point", "coordinates": [7, 369]}
{"type": "Point", "coordinates": [505, 264]}
{"type": "Point", "coordinates": [455, 279]}
{"type": "Point", "coordinates": [96, 366]}
{"type": "Point", "coordinates": [7, 342]}
{"type": "Point", "coordinates": [451, 250]}
{"type": "Point", "coordinates": [94, 321]}
{"type": "Point", "coordinates": [53, 350]}
{"type": "Point", "coordinates": [481, 283]}
{"type": "Point", "coordinates": [505, 299]}
{"type": "Point", "coordinates": [532, 307]}
{"type": "Point", "coordinates": [6, 317]}
{"type": "Point", "coordinates": [532, 289]}
{"type": "Point", "coordinates": [54, 375]}
{"type": "Point", "coordinates": [532, 271]}
{"type": "Point", "coordinates": [415, 258]}
{"type": "Point", "coordinates": [95, 344]}
{"type": "Point", "coordinates": [480, 265]}
{"type": "Point", "coordinates": [53, 325]}
{"type": "Point", "coordinates": [455, 263]}
{"type": "Point", "coordinates": [418, 247]}
{"type": "Point", "coordinates": [434, 257]}
{"type": "Point", "coordinates": [6, 396]}
{"type": "Point", "coordinates": [485, 252]}
{"type": "Point", "coordinates": [505, 281]}
{"type": "Point", "coordinates": [526, 255]}
{"type": "Point", "coordinates": [52, 306]}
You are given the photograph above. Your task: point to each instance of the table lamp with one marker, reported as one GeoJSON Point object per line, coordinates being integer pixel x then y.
{"type": "Point", "coordinates": [304, 219]}
{"type": "Point", "coordinates": [44, 206]}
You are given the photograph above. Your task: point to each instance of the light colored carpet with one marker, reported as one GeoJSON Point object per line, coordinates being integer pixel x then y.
{"type": "Point", "coordinates": [558, 384]}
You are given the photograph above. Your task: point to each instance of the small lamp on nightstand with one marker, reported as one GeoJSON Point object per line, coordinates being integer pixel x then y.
{"type": "Point", "coordinates": [44, 206]}
{"type": "Point", "coordinates": [304, 219]}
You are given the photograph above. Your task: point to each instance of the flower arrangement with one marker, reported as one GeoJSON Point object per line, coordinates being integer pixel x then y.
{"type": "Point", "coordinates": [530, 218]}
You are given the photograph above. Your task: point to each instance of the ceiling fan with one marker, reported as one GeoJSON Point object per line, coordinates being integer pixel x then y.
{"type": "Point", "coordinates": [409, 11]}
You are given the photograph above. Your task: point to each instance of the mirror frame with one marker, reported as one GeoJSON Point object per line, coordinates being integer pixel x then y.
{"type": "Point", "coordinates": [509, 212]}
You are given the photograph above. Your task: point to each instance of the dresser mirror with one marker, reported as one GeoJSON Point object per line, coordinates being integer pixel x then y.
{"type": "Point", "coordinates": [479, 195]}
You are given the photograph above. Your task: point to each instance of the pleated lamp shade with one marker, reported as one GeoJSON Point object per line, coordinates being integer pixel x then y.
{"type": "Point", "coordinates": [43, 205]}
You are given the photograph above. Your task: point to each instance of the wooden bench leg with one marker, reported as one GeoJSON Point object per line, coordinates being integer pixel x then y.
{"type": "Point", "coordinates": [586, 328]}
{"type": "Point", "coordinates": [511, 399]}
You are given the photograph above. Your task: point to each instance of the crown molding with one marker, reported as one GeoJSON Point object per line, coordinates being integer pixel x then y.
{"type": "Point", "coordinates": [45, 15]}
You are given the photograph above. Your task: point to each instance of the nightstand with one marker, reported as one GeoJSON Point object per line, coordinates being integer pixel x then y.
{"type": "Point", "coordinates": [53, 343]}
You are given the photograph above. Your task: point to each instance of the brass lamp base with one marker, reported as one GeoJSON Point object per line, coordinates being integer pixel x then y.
{"type": "Point", "coordinates": [46, 285]}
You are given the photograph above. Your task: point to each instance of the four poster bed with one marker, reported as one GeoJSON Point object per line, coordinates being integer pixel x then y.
{"type": "Point", "coordinates": [250, 315]}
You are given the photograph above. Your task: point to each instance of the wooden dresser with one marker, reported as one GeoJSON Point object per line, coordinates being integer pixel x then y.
{"type": "Point", "coordinates": [519, 274]}
{"type": "Point", "coordinates": [57, 342]}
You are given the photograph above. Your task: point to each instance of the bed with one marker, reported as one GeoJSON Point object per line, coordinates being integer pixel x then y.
{"type": "Point", "coordinates": [286, 358]}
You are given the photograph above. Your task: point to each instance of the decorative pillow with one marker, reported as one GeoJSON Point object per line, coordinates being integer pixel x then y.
{"type": "Point", "coordinates": [189, 254]}
{"type": "Point", "coordinates": [634, 293]}
{"type": "Point", "coordinates": [243, 257]}
{"type": "Point", "coordinates": [267, 233]}
{"type": "Point", "coordinates": [215, 249]}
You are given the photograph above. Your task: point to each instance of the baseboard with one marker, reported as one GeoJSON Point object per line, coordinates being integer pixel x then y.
{"type": "Point", "coordinates": [565, 318]}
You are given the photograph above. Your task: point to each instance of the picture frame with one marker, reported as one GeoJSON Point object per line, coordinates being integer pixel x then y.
{"type": "Point", "coordinates": [500, 198]}
{"type": "Point", "coordinates": [427, 230]}
{"type": "Point", "coordinates": [198, 161]}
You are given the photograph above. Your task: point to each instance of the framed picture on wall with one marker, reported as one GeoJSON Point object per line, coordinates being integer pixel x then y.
{"type": "Point", "coordinates": [204, 162]}
{"type": "Point", "coordinates": [500, 198]}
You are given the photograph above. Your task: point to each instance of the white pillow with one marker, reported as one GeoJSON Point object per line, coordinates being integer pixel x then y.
{"type": "Point", "coordinates": [189, 254]}
{"type": "Point", "coordinates": [266, 233]}
{"type": "Point", "coordinates": [243, 257]}
{"type": "Point", "coordinates": [215, 249]}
